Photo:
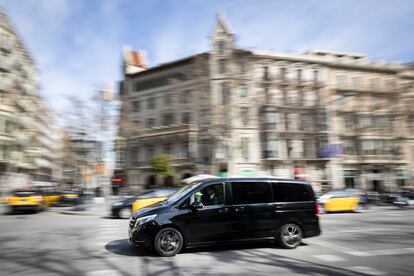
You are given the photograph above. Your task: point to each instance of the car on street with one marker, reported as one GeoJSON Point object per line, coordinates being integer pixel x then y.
{"type": "Point", "coordinates": [51, 198]}
{"type": "Point", "coordinates": [150, 197]}
{"type": "Point", "coordinates": [70, 197]}
{"type": "Point", "coordinates": [341, 201]}
{"type": "Point", "coordinates": [228, 210]}
{"type": "Point", "coordinates": [26, 200]}
{"type": "Point", "coordinates": [405, 199]}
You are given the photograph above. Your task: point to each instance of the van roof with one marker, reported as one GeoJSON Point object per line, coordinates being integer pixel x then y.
{"type": "Point", "coordinates": [267, 178]}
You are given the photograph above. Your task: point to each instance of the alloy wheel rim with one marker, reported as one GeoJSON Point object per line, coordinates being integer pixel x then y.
{"type": "Point", "coordinates": [169, 241]}
{"type": "Point", "coordinates": [291, 235]}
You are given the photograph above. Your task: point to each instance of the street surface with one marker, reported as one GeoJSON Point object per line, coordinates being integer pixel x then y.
{"type": "Point", "coordinates": [377, 242]}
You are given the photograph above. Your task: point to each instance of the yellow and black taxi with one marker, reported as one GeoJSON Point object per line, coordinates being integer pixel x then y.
{"type": "Point", "coordinates": [150, 197]}
{"type": "Point", "coordinates": [51, 197]}
{"type": "Point", "coordinates": [26, 200]}
{"type": "Point", "coordinates": [70, 197]}
{"type": "Point", "coordinates": [351, 200]}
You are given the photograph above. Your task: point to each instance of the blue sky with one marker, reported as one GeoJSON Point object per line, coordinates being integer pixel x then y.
{"type": "Point", "coordinates": [77, 44]}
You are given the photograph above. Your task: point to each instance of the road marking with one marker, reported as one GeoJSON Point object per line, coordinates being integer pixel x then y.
{"type": "Point", "coordinates": [356, 230]}
{"type": "Point", "coordinates": [366, 270]}
{"type": "Point", "coordinates": [397, 251]}
{"type": "Point", "coordinates": [358, 253]}
{"type": "Point", "coordinates": [103, 273]}
{"type": "Point", "coordinates": [330, 258]}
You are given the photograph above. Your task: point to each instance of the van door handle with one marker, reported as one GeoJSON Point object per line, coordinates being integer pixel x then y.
{"type": "Point", "coordinates": [239, 209]}
{"type": "Point", "coordinates": [223, 210]}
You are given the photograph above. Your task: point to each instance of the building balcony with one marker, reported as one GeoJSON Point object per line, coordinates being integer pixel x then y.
{"type": "Point", "coordinates": [175, 162]}
{"type": "Point", "coordinates": [362, 88]}
{"type": "Point", "coordinates": [166, 130]}
{"type": "Point", "coordinates": [6, 64]}
{"type": "Point", "coordinates": [6, 85]}
{"type": "Point", "coordinates": [6, 45]}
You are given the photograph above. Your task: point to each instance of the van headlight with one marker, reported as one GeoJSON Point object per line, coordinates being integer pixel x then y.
{"type": "Point", "coordinates": [145, 219]}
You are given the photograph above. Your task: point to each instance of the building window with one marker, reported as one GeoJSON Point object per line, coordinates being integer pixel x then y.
{"type": "Point", "coordinates": [224, 93]}
{"type": "Point", "coordinates": [349, 147]}
{"type": "Point", "coordinates": [167, 100]}
{"type": "Point", "coordinates": [315, 76]}
{"type": "Point", "coordinates": [374, 83]}
{"type": "Point", "coordinates": [167, 149]}
{"type": "Point", "coordinates": [134, 156]}
{"type": "Point", "coordinates": [270, 117]}
{"type": "Point", "coordinates": [299, 76]}
{"type": "Point", "coordinates": [283, 73]}
{"type": "Point", "coordinates": [356, 82]}
{"type": "Point", "coordinates": [221, 45]}
{"type": "Point", "coordinates": [184, 150]}
{"type": "Point", "coordinates": [242, 67]}
{"type": "Point", "coordinates": [186, 118]}
{"type": "Point", "coordinates": [271, 146]}
{"type": "Point", "coordinates": [186, 97]}
{"type": "Point", "coordinates": [365, 121]}
{"type": "Point", "coordinates": [151, 103]}
{"type": "Point", "coordinates": [244, 115]}
{"type": "Point", "coordinates": [242, 91]}
{"type": "Point", "coordinates": [221, 67]}
{"type": "Point", "coordinates": [245, 148]}
{"type": "Point", "coordinates": [150, 122]}
{"type": "Point", "coordinates": [265, 72]}
{"type": "Point", "coordinates": [149, 152]}
{"type": "Point", "coordinates": [168, 119]}
{"type": "Point", "coordinates": [341, 80]}
{"type": "Point", "coordinates": [136, 105]}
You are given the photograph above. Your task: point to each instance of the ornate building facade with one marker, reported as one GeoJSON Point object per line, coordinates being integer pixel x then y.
{"type": "Point", "coordinates": [336, 119]}
{"type": "Point", "coordinates": [30, 136]}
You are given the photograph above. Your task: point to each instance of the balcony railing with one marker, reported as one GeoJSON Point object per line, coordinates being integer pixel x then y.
{"type": "Point", "coordinates": [5, 64]}
{"type": "Point", "coordinates": [6, 45]}
{"type": "Point", "coordinates": [6, 85]}
{"type": "Point", "coordinates": [363, 88]}
{"type": "Point", "coordinates": [173, 129]}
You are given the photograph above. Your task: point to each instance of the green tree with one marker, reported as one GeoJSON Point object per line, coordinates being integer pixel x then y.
{"type": "Point", "coordinates": [161, 165]}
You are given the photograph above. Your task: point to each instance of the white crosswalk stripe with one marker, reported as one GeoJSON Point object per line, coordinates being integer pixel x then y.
{"type": "Point", "coordinates": [330, 258]}
{"type": "Point", "coordinates": [366, 270]}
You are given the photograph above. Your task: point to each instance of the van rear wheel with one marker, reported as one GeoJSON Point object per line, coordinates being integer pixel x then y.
{"type": "Point", "coordinates": [290, 236]}
{"type": "Point", "coordinates": [168, 242]}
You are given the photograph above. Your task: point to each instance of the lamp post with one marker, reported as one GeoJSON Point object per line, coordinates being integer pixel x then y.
{"type": "Point", "coordinates": [105, 96]}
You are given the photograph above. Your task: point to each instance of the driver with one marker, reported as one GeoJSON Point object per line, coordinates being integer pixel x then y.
{"type": "Point", "coordinates": [209, 197]}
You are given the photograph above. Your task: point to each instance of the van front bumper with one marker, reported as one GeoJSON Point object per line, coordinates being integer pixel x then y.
{"type": "Point", "coordinates": [142, 235]}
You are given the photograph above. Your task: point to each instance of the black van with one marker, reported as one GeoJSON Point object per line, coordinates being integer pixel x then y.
{"type": "Point", "coordinates": [220, 210]}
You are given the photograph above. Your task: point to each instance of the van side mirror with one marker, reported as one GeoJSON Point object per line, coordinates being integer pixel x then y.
{"type": "Point", "coordinates": [196, 205]}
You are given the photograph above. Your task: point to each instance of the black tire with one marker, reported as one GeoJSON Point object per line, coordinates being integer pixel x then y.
{"type": "Point", "coordinates": [168, 242]}
{"type": "Point", "coordinates": [290, 236]}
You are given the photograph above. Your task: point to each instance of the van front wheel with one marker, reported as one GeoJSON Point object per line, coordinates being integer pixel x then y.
{"type": "Point", "coordinates": [290, 236]}
{"type": "Point", "coordinates": [168, 242]}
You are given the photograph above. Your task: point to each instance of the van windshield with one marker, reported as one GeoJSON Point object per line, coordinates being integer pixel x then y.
{"type": "Point", "coordinates": [181, 192]}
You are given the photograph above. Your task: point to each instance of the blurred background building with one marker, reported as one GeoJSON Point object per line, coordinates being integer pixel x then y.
{"type": "Point", "coordinates": [30, 135]}
{"type": "Point", "coordinates": [334, 118]}
{"type": "Point", "coordinates": [82, 162]}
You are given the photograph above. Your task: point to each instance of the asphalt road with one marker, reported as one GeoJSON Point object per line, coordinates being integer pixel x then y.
{"type": "Point", "coordinates": [377, 242]}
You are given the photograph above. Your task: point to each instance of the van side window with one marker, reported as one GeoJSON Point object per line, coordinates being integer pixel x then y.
{"type": "Point", "coordinates": [290, 192]}
{"type": "Point", "coordinates": [250, 192]}
{"type": "Point", "coordinates": [211, 195]}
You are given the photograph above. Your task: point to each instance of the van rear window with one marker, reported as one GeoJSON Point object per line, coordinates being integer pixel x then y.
{"type": "Point", "coordinates": [290, 192]}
